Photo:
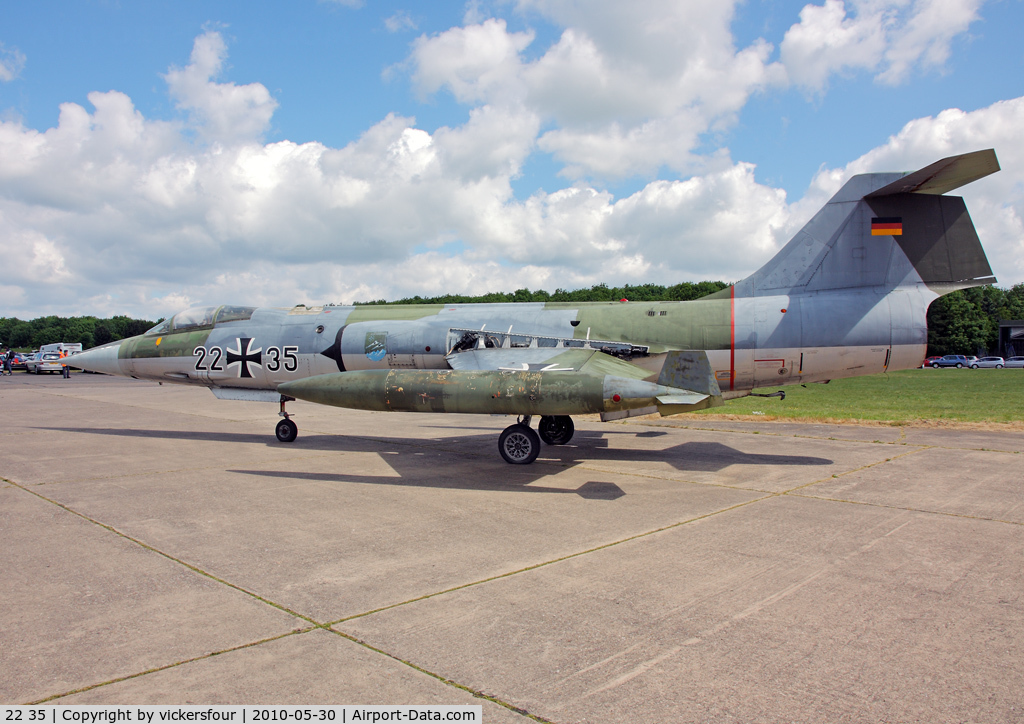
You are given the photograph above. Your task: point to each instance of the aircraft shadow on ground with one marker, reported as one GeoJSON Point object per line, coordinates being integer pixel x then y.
{"type": "Point", "coordinates": [413, 478]}
{"type": "Point", "coordinates": [645, 433]}
{"type": "Point", "coordinates": [409, 465]}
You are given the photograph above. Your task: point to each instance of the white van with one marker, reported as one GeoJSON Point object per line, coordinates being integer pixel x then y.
{"type": "Point", "coordinates": [66, 347]}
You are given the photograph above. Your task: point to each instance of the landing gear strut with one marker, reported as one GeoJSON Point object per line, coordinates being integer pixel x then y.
{"type": "Point", "coordinates": [286, 430]}
{"type": "Point", "coordinates": [519, 444]}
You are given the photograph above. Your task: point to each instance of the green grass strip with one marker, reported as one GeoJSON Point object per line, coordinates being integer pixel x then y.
{"type": "Point", "coordinates": [908, 396]}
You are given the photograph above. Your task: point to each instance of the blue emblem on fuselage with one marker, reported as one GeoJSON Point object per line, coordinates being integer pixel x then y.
{"type": "Point", "coordinates": [376, 345]}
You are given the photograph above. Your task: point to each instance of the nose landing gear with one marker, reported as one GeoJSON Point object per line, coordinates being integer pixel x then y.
{"type": "Point", "coordinates": [286, 430]}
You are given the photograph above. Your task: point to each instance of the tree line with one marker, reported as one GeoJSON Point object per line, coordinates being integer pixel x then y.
{"type": "Point", "coordinates": [964, 322]}
{"type": "Point", "coordinates": [683, 292]}
{"type": "Point", "coordinates": [967, 321]}
{"type": "Point", "coordinates": [89, 331]}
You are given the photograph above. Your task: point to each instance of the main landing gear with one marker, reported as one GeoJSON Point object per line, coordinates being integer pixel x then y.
{"type": "Point", "coordinates": [286, 430]}
{"type": "Point", "coordinates": [519, 444]}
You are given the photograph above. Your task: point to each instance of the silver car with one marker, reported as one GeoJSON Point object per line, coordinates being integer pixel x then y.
{"type": "Point", "coordinates": [1015, 362]}
{"type": "Point", "coordinates": [44, 362]}
{"type": "Point", "coordinates": [996, 362]}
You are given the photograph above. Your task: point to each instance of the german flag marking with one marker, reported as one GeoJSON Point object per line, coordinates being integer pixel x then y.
{"type": "Point", "coordinates": [887, 226]}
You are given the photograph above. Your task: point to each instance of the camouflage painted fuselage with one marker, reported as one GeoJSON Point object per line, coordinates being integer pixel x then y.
{"type": "Point", "coordinates": [847, 296]}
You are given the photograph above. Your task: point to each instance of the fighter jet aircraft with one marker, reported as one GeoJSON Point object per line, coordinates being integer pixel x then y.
{"type": "Point", "coordinates": [847, 296]}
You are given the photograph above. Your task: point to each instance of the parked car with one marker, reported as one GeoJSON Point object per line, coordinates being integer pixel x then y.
{"type": "Point", "coordinates": [928, 361]}
{"type": "Point", "coordinates": [1015, 362]}
{"type": "Point", "coordinates": [984, 362]}
{"type": "Point", "coordinates": [951, 360]}
{"type": "Point", "coordinates": [44, 362]}
{"type": "Point", "coordinates": [972, 361]}
{"type": "Point", "coordinates": [18, 361]}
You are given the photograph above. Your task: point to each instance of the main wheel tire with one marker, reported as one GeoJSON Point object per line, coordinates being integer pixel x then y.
{"type": "Point", "coordinates": [286, 430]}
{"type": "Point", "coordinates": [556, 429]}
{"type": "Point", "coordinates": [519, 444]}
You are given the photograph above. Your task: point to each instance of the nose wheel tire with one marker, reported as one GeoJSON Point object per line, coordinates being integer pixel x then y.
{"type": "Point", "coordinates": [556, 429]}
{"type": "Point", "coordinates": [286, 431]}
{"type": "Point", "coordinates": [519, 444]}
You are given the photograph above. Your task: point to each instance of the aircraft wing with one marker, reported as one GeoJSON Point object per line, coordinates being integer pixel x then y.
{"type": "Point", "coordinates": [546, 359]}
{"type": "Point", "coordinates": [686, 378]}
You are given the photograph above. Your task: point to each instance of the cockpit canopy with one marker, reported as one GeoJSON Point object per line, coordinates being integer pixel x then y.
{"type": "Point", "coordinates": [199, 317]}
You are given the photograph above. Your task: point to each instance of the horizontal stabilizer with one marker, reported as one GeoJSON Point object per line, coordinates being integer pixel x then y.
{"type": "Point", "coordinates": [945, 175]}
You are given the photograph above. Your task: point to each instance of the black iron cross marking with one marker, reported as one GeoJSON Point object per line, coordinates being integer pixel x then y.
{"type": "Point", "coordinates": [245, 356]}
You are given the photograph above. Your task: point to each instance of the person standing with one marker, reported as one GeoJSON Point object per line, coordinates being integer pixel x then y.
{"type": "Point", "coordinates": [64, 363]}
{"type": "Point", "coordinates": [8, 359]}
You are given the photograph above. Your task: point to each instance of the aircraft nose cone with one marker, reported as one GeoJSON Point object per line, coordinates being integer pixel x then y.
{"type": "Point", "coordinates": [100, 359]}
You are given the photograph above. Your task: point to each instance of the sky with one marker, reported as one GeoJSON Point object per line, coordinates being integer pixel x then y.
{"type": "Point", "coordinates": [160, 155]}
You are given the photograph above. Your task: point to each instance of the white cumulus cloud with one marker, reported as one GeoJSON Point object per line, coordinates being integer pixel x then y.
{"type": "Point", "coordinates": [12, 61]}
{"type": "Point", "coordinates": [627, 93]}
{"type": "Point", "coordinates": [110, 211]}
{"type": "Point", "coordinates": [889, 37]}
{"type": "Point", "coordinates": [222, 112]}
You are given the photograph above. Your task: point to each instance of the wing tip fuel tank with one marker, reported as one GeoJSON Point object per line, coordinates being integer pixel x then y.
{"type": "Point", "coordinates": [511, 392]}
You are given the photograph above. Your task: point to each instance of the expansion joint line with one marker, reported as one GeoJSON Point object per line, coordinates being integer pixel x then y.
{"type": "Point", "coordinates": [155, 669]}
{"type": "Point", "coordinates": [908, 509]}
{"type": "Point", "coordinates": [553, 561]}
{"type": "Point", "coordinates": [843, 474]}
{"type": "Point", "coordinates": [793, 492]}
{"type": "Point", "coordinates": [168, 556]}
{"type": "Point", "coordinates": [313, 624]}
{"type": "Point", "coordinates": [442, 679]}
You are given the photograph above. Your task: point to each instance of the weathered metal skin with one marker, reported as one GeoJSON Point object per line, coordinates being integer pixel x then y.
{"type": "Point", "coordinates": [476, 391]}
{"type": "Point", "coordinates": [839, 300]}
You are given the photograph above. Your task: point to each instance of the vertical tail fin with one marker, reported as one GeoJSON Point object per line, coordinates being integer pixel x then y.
{"type": "Point", "coordinates": [887, 230]}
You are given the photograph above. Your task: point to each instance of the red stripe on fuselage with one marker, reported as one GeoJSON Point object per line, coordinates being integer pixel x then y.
{"type": "Point", "coordinates": [732, 336]}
